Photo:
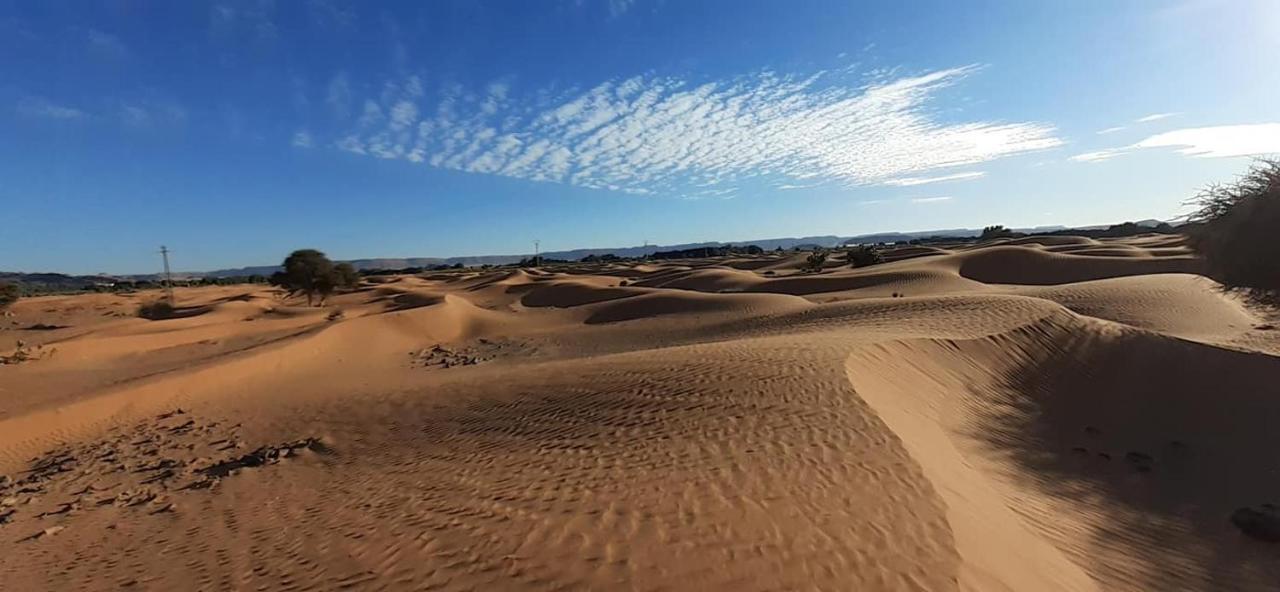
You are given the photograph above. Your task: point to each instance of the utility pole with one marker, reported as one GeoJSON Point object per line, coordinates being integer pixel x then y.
{"type": "Point", "coordinates": [537, 260]}
{"type": "Point", "coordinates": [168, 277]}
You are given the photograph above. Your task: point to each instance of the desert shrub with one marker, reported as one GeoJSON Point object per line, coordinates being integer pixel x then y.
{"type": "Point", "coordinates": [864, 255]}
{"type": "Point", "coordinates": [8, 294]}
{"type": "Point", "coordinates": [1235, 230]}
{"type": "Point", "coordinates": [155, 310]}
{"type": "Point", "coordinates": [816, 260]}
{"type": "Point", "coordinates": [995, 231]}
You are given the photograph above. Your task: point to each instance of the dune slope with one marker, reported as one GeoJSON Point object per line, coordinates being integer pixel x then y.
{"type": "Point", "coordinates": [1066, 414]}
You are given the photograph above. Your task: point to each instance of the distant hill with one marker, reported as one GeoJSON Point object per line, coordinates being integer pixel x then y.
{"type": "Point", "coordinates": [42, 282]}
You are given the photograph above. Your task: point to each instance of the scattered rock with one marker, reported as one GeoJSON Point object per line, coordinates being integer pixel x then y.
{"type": "Point", "coordinates": [1262, 524]}
{"type": "Point", "coordinates": [52, 530]}
{"type": "Point", "coordinates": [1140, 461]}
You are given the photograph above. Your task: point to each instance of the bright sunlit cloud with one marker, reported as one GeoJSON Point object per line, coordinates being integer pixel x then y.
{"type": "Point", "coordinates": [941, 198]}
{"type": "Point", "coordinates": [1154, 117]}
{"type": "Point", "coordinates": [1203, 142]}
{"type": "Point", "coordinates": [913, 181]}
{"type": "Point", "coordinates": [651, 134]}
{"type": "Point", "coordinates": [1219, 141]}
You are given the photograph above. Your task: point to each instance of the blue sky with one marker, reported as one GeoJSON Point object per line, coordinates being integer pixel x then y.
{"type": "Point", "coordinates": [234, 132]}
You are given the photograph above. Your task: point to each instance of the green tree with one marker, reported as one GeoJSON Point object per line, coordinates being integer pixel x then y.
{"type": "Point", "coordinates": [1235, 231]}
{"type": "Point", "coordinates": [8, 294]}
{"type": "Point", "coordinates": [309, 272]}
{"type": "Point", "coordinates": [346, 276]}
{"type": "Point", "coordinates": [995, 231]}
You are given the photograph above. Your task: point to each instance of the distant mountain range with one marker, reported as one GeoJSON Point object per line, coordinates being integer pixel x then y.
{"type": "Point", "coordinates": [47, 281]}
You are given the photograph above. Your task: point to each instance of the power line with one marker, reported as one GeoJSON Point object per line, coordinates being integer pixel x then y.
{"type": "Point", "coordinates": [168, 277]}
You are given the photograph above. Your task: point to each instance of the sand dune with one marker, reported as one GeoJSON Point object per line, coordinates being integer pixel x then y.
{"type": "Point", "coordinates": [1054, 414]}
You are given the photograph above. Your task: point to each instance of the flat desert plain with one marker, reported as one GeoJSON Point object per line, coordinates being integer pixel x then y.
{"type": "Point", "coordinates": [1039, 414]}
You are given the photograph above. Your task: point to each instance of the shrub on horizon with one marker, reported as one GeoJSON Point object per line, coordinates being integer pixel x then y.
{"type": "Point", "coordinates": [816, 260]}
{"type": "Point", "coordinates": [8, 294]}
{"type": "Point", "coordinates": [995, 231]}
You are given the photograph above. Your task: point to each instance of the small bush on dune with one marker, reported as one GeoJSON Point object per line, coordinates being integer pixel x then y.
{"type": "Point", "coordinates": [1237, 231]}
{"type": "Point", "coordinates": [864, 255]}
{"type": "Point", "coordinates": [155, 310]}
{"type": "Point", "coordinates": [816, 261]}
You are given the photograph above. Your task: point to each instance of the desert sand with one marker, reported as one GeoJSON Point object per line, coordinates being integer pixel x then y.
{"type": "Point", "coordinates": [1040, 414]}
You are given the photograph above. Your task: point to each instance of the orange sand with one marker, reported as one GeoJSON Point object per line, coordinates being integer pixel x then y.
{"type": "Point", "coordinates": [1040, 414]}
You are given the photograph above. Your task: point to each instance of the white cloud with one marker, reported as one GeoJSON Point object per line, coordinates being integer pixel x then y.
{"type": "Point", "coordinates": [913, 181]}
{"type": "Point", "coordinates": [1099, 155]}
{"type": "Point", "coordinates": [941, 198]}
{"type": "Point", "coordinates": [42, 108]}
{"type": "Point", "coordinates": [1112, 130]}
{"type": "Point", "coordinates": [1219, 141]}
{"type": "Point", "coordinates": [655, 134]}
{"type": "Point", "coordinates": [1203, 142]}
{"type": "Point", "coordinates": [302, 139]}
{"type": "Point", "coordinates": [1154, 117]}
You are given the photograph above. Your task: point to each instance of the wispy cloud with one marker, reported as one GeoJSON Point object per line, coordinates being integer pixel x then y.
{"type": "Point", "coordinates": [1219, 141]}
{"type": "Point", "coordinates": [1154, 117]}
{"type": "Point", "coordinates": [653, 134]}
{"type": "Point", "coordinates": [1203, 142]}
{"type": "Point", "coordinates": [106, 45]}
{"type": "Point", "coordinates": [618, 8]}
{"type": "Point", "coordinates": [302, 139]}
{"type": "Point", "coordinates": [43, 108]}
{"type": "Point", "coordinates": [338, 96]}
{"type": "Point", "coordinates": [1099, 155]}
{"type": "Point", "coordinates": [245, 19]}
{"type": "Point", "coordinates": [1112, 130]}
{"type": "Point", "coordinates": [913, 181]}
{"type": "Point", "coordinates": [151, 113]}
{"type": "Point", "coordinates": [791, 186]}
{"type": "Point", "coordinates": [938, 199]}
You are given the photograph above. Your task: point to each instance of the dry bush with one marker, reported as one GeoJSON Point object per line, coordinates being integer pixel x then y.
{"type": "Point", "coordinates": [864, 255]}
{"type": "Point", "coordinates": [816, 261]}
{"type": "Point", "coordinates": [1237, 231]}
{"type": "Point", "coordinates": [155, 310]}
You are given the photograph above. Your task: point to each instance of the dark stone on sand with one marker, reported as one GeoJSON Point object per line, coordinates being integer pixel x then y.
{"type": "Point", "coordinates": [1263, 524]}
